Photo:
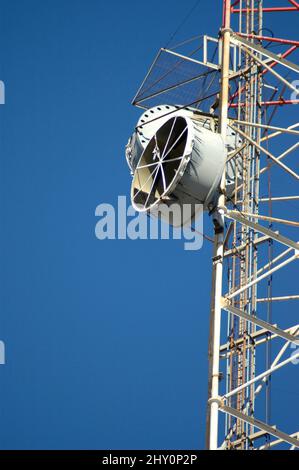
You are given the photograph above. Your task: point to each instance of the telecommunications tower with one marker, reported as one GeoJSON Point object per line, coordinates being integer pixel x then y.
{"type": "Point", "coordinates": [211, 133]}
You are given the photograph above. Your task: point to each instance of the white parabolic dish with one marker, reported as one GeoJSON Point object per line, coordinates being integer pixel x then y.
{"type": "Point", "coordinates": [183, 163]}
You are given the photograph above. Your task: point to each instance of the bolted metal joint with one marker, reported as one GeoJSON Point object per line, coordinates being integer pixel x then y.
{"type": "Point", "coordinates": [225, 30]}
{"type": "Point", "coordinates": [218, 400]}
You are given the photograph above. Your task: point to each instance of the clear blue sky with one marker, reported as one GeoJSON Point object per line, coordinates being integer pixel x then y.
{"type": "Point", "coordinates": [106, 341]}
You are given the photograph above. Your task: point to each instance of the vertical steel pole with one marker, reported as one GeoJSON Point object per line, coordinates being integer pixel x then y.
{"type": "Point", "coordinates": [215, 324]}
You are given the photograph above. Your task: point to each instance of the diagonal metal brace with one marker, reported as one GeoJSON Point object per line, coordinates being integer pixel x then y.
{"type": "Point", "coordinates": [259, 322]}
{"type": "Point", "coordinates": [259, 228]}
{"type": "Point", "coordinates": [261, 50]}
{"type": "Point", "coordinates": [261, 425]}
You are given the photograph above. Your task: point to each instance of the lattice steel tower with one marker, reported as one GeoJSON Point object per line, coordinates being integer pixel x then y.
{"type": "Point", "coordinates": [238, 85]}
{"type": "Point", "coordinates": [239, 246]}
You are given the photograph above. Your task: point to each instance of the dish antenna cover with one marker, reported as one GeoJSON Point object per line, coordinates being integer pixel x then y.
{"type": "Point", "coordinates": [182, 163]}
{"type": "Point", "coordinates": [148, 124]}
